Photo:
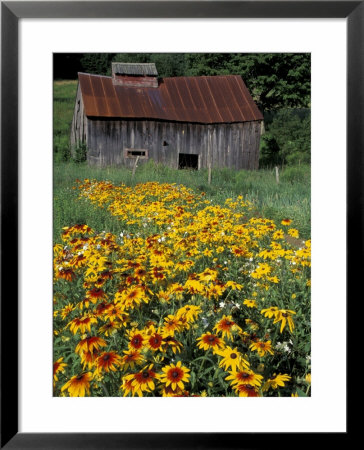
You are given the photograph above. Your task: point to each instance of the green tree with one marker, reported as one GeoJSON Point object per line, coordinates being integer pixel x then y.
{"type": "Point", "coordinates": [275, 80]}
{"type": "Point", "coordinates": [287, 140]}
{"type": "Point", "coordinates": [97, 63]}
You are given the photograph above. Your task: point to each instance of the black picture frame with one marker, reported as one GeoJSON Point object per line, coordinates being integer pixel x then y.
{"type": "Point", "coordinates": [11, 12]}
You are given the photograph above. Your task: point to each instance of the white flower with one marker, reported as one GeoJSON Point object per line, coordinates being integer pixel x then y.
{"type": "Point", "coordinates": [205, 322]}
{"type": "Point", "coordinates": [222, 304]}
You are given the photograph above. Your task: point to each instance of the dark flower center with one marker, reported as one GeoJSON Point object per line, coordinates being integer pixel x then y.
{"type": "Point", "coordinates": [175, 374]}
{"type": "Point", "coordinates": [284, 314]}
{"type": "Point", "coordinates": [79, 377]}
{"type": "Point", "coordinates": [245, 375]}
{"type": "Point", "coordinates": [211, 338]}
{"type": "Point", "coordinates": [145, 374]}
{"type": "Point", "coordinates": [233, 356]}
{"type": "Point", "coordinates": [249, 386]}
{"type": "Point", "coordinates": [106, 357]}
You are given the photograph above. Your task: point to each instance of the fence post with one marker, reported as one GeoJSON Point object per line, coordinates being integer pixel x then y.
{"type": "Point", "coordinates": [135, 166]}
{"type": "Point", "coordinates": [277, 175]}
{"type": "Point", "coordinates": [209, 155]}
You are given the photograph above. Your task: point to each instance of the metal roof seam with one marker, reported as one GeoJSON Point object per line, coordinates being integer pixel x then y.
{"type": "Point", "coordinates": [243, 93]}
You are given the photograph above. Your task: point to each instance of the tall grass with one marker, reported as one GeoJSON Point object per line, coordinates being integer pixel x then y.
{"type": "Point", "coordinates": [64, 94]}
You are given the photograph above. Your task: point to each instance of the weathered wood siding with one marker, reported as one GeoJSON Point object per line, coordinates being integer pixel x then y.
{"type": "Point", "coordinates": [79, 123]}
{"type": "Point", "coordinates": [229, 145]}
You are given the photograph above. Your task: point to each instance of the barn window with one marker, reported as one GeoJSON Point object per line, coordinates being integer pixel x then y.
{"type": "Point", "coordinates": [135, 152]}
{"type": "Point", "coordinates": [187, 161]}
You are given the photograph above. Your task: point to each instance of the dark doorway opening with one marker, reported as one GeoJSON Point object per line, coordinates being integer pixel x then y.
{"type": "Point", "coordinates": [187, 161]}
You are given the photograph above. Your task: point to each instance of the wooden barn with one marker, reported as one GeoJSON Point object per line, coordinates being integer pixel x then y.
{"type": "Point", "coordinates": [182, 122]}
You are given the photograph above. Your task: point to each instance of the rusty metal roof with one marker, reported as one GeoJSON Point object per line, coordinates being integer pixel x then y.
{"type": "Point", "coordinates": [205, 99]}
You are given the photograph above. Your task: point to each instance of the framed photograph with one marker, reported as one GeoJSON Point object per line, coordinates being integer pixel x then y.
{"type": "Point", "coordinates": [98, 279]}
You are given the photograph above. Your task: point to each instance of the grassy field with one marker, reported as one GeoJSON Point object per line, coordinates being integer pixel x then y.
{"type": "Point", "coordinates": [64, 93]}
{"type": "Point", "coordinates": [288, 199]}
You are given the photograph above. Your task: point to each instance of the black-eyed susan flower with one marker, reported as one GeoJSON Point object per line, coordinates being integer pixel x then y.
{"type": "Point", "coordinates": [109, 328]}
{"type": "Point", "coordinates": [171, 325]}
{"type": "Point", "coordinates": [114, 312]}
{"type": "Point", "coordinates": [58, 366]}
{"type": "Point", "coordinates": [136, 339]}
{"type": "Point", "coordinates": [286, 222]}
{"type": "Point", "coordinates": [82, 324]}
{"type": "Point", "coordinates": [250, 303]}
{"type": "Point", "coordinates": [246, 390]}
{"type": "Point", "coordinates": [244, 376]}
{"type": "Point", "coordinates": [285, 316]}
{"type": "Point", "coordinates": [175, 376]}
{"type": "Point", "coordinates": [270, 312]}
{"type": "Point", "coordinates": [293, 233]}
{"type": "Point", "coordinates": [107, 361]}
{"type": "Point", "coordinates": [66, 310]}
{"type": "Point", "coordinates": [66, 273]}
{"type": "Point", "coordinates": [127, 385]}
{"type": "Point", "coordinates": [277, 381]}
{"type": "Point", "coordinates": [226, 326]}
{"type": "Point", "coordinates": [96, 294]}
{"type": "Point", "coordinates": [209, 340]}
{"type": "Point", "coordinates": [189, 312]}
{"type": "Point", "coordinates": [232, 359]}
{"type": "Point", "coordinates": [279, 234]}
{"type": "Point", "coordinates": [262, 347]}
{"type": "Point", "coordinates": [89, 344]}
{"type": "Point", "coordinates": [167, 391]}
{"type": "Point", "coordinates": [144, 380]}
{"type": "Point", "coordinates": [214, 291]}
{"type": "Point", "coordinates": [132, 358]}
{"type": "Point", "coordinates": [78, 385]}
{"type": "Point", "coordinates": [173, 343]}
{"type": "Point", "coordinates": [154, 340]}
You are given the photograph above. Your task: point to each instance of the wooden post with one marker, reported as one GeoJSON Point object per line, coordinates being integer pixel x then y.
{"type": "Point", "coordinates": [209, 156]}
{"type": "Point", "coordinates": [135, 166]}
{"type": "Point", "coordinates": [277, 175]}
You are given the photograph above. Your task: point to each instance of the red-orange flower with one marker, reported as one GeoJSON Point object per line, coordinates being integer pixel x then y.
{"type": "Point", "coordinates": [108, 361]}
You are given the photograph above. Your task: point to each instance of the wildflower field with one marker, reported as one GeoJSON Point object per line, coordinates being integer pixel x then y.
{"type": "Point", "coordinates": [189, 297]}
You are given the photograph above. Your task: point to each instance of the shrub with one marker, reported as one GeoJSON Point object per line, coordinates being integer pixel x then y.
{"type": "Point", "coordinates": [287, 140]}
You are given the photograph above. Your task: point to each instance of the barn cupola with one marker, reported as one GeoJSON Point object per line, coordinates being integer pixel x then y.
{"type": "Point", "coordinates": [134, 74]}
